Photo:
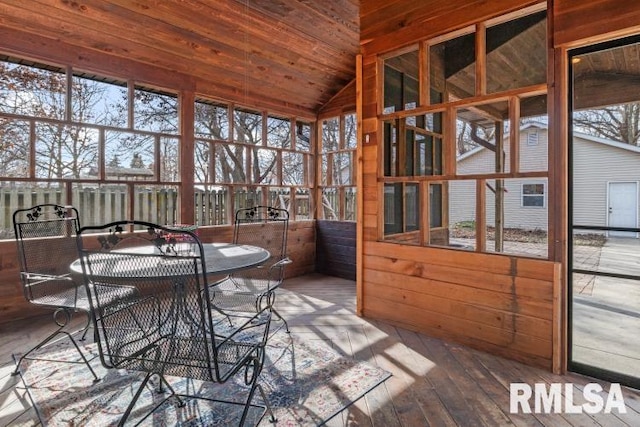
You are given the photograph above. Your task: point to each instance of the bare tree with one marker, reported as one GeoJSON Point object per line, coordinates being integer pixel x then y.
{"type": "Point", "coordinates": [470, 136]}
{"type": "Point", "coordinates": [61, 150]}
{"type": "Point", "coordinates": [618, 122]}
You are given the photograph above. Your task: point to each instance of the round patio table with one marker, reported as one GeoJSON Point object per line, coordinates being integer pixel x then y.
{"type": "Point", "coordinates": [219, 258]}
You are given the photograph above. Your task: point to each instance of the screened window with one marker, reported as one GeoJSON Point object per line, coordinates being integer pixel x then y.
{"type": "Point", "coordinates": [264, 163]}
{"type": "Point", "coordinates": [472, 133]}
{"type": "Point", "coordinates": [75, 145]}
{"type": "Point", "coordinates": [401, 87]}
{"type": "Point", "coordinates": [155, 111]}
{"type": "Point", "coordinates": [337, 176]}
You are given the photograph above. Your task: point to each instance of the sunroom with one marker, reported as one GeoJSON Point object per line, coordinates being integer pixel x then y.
{"type": "Point", "coordinates": [457, 171]}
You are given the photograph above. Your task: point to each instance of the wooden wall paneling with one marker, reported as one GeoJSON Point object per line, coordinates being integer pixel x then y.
{"type": "Point", "coordinates": [343, 102]}
{"type": "Point", "coordinates": [409, 20]}
{"type": "Point", "coordinates": [502, 322]}
{"type": "Point", "coordinates": [495, 302]}
{"type": "Point", "coordinates": [336, 248]}
{"type": "Point", "coordinates": [360, 170]}
{"type": "Point", "coordinates": [535, 288]}
{"type": "Point", "coordinates": [494, 292]}
{"type": "Point", "coordinates": [208, 50]}
{"type": "Point", "coordinates": [300, 245]}
{"type": "Point", "coordinates": [447, 258]}
{"type": "Point", "coordinates": [587, 22]}
{"type": "Point", "coordinates": [531, 350]}
{"type": "Point", "coordinates": [499, 303]}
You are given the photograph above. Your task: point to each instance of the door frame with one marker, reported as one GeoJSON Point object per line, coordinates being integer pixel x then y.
{"type": "Point", "coordinates": [601, 372]}
{"type": "Point", "coordinates": [635, 225]}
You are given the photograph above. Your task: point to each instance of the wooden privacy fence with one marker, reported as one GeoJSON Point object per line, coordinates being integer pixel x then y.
{"type": "Point", "coordinates": [331, 200]}
{"type": "Point", "coordinates": [100, 205]}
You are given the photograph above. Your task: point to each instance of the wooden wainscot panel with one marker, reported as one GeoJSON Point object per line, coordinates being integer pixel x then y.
{"type": "Point", "coordinates": [498, 303]}
{"type": "Point", "coordinates": [490, 298]}
{"type": "Point", "coordinates": [476, 279]}
{"type": "Point", "coordinates": [301, 247]}
{"type": "Point", "coordinates": [469, 310]}
{"type": "Point", "coordinates": [336, 248]}
{"type": "Point", "coordinates": [506, 343]}
{"type": "Point", "coordinates": [446, 257]}
{"type": "Point", "coordinates": [220, 233]}
{"type": "Point", "coordinates": [371, 221]}
{"type": "Point", "coordinates": [13, 304]}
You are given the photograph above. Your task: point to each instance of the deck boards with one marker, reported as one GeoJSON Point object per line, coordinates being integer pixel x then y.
{"type": "Point", "coordinates": [434, 382]}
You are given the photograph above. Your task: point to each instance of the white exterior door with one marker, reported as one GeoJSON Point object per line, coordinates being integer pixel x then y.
{"type": "Point", "coordinates": [623, 207]}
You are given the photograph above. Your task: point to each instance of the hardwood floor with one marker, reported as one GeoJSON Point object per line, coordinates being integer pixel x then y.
{"type": "Point", "coordinates": [434, 383]}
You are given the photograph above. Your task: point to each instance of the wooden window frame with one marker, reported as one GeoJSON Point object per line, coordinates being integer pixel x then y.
{"type": "Point", "coordinates": [448, 110]}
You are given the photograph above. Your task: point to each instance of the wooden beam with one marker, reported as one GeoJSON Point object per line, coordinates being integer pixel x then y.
{"type": "Point", "coordinates": [187, 153]}
{"type": "Point", "coordinates": [359, 189]}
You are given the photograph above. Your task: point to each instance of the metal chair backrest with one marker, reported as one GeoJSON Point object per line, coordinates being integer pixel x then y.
{"type": "Point", "coordinates": [46, 239]}
{"type": "Point", "coordinates": [153, 312]}
{"type": "Point", "coordinates": [168, 324]}
{"type": "Point", "coordinates": [266, 227]}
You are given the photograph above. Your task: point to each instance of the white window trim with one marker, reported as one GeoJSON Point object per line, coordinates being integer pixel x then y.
{"type": "Point", "coordinates": [544, 195]}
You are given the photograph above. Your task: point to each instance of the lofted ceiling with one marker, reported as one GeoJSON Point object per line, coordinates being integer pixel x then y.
{"type": "Point", "coordinates": [296, 54]}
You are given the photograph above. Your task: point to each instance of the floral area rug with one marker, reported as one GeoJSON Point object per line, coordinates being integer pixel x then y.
{"type": "Point", "coordinates": [305, 383]}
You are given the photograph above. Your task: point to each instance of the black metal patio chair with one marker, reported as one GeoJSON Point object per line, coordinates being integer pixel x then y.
{"type": "Point", "coordinates": [46, 238]}
{"type": "Point", "coordinates": [255, 289]}
{"type": "Point", "coordinates": [169, 326]}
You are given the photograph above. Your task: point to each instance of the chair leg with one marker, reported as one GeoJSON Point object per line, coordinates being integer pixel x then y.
{"type": "Point", "coordinates": [272, 417]}
{"type": "Point", "coordinates": [286, 325]}
{"type": "Point", "coordinates": [61, 325]}
{"type": "Point", "coordinates": [135, 398]}
{"type": "Point", "coordinates": [270, 299]}
{"type": "Point", "coordinates": [247, 405]}
{"type": "Point", "coordinates": [36, 347]}
{"type": "Point", "coordinates": [86, 327]}
{"type": "Point", "coordinates": [95, 377]}
{"type": "Point", "coordinates": [139, 391]}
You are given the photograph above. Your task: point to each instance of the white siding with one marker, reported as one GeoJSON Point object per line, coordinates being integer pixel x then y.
{"type": "Point", "coordinates": [516, 215]}
{"type": "Point", "coordinates": [532, 158]}
{"type": "Point", "coordinates": [462, 201]}
{"type": "Point", "coordinates": [594, 166]}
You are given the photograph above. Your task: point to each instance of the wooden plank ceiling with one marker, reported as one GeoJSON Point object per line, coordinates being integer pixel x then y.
{"type": "Point", "coordinates": [293, 53]}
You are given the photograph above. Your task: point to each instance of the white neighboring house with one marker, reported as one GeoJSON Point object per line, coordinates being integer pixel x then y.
{"type": "Point", "coordinates": [606, 183]}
